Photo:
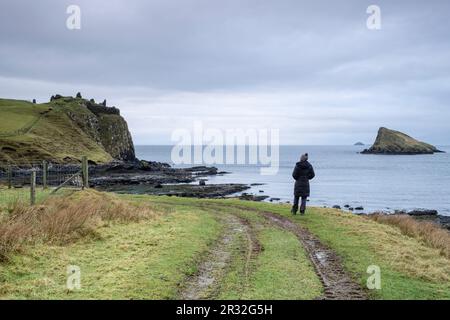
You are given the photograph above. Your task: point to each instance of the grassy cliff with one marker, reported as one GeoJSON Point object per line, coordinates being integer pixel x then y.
{"type": "Point", "coordinates": [62, 130]}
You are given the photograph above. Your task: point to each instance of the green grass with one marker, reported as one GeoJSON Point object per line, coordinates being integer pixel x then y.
{"type": "Point", "coordinates": [281, 271]}
{"type": "Point", "coordinates": [9, 196]}
{"type": "Point", "coordinates": [16, 114]}
{"type": "Point", "coordinates": [409, 268]}
{"type": "Point", "coordinates": [145, 260]}
{"type": "Point", "coordinates": [152, 258]}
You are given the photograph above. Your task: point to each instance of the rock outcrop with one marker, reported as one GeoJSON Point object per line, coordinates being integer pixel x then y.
{"type": "Point", "coordinates": [393, 142]}
{"type": "Point", "coordinates": [107, 127]}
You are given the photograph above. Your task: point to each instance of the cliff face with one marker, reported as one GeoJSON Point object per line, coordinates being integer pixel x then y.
{"type": "Point", "coordinates": [63, 130]}
{"type": "Point", "coordinates": [395, 142]}
{"type": "Point", "coordinates": [107, 128]}
{"type": "Point", "coordinates": [115, 137]}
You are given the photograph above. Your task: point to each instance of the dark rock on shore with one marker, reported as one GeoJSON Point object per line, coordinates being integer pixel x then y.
{"type": "Point", "coordinates": [251, 197]}
{"type": "Point", "coordinates": [391, 142]}
{"type": "Point", "coordinates": [426, 215]}
{"type": "Point", "coordinates": [144, 172]}
{"type": "Point", "coordinates": [156, 178]}
{"type": "Point", "coordinates": [430, 215]}
{"type": "Point", "coordinates": [336, 207]}
{"type": "Point", "coordinates": [423, 213]}
{"type": "Point", "coordinates": [181, 190]}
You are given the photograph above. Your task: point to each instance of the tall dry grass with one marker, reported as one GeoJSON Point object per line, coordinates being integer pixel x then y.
{"type": "Point", "coordinates": [61, 220]}
{"type": "Point", "coordinates": [428, 232]}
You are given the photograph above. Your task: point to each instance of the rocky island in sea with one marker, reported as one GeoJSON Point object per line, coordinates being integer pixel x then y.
{"type": "Point", "coordinates": [392, 142]}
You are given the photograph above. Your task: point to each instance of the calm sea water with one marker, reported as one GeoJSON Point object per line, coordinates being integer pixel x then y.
{"type": "Point", "coordinates": [343, 176]}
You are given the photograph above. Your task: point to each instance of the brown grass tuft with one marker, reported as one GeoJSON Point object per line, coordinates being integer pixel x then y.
{"type": "Point", "coordinates": [428, 232]}
{"type": "Point", "coordinates": [62, 220]}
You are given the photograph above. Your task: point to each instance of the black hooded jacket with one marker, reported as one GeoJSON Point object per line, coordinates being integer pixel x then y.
{"type": "Point", "coordinates": [303, 172]}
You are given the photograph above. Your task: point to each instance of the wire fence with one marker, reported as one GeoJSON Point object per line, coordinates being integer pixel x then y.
{"type": "Point", "coordinates": [34, 181]}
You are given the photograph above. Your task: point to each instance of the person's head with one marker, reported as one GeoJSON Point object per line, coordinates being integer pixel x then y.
{"type": "Point", "coordinates": [304, 157]}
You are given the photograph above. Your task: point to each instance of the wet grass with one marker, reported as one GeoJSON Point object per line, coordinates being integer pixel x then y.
{"type": "Point", "coordinates": [150, 258]}
{"type": "Point", "coordinates": [410, 268]}
{"type": "Point", "coordinates": [281, 271]}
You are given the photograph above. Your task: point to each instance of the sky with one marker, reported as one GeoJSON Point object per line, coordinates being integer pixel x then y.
{"type": "Point", "coordinates": [311, 69]}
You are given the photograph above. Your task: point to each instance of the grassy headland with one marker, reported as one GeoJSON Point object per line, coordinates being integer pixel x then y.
{"type": "Point", "coordinates": [61, 130]}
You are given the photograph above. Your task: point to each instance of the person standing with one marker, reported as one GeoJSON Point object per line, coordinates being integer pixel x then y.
{"type": "Point", "coordinates": [303, 172]}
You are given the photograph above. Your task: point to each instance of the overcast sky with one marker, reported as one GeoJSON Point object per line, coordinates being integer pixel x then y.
{"type": "Point", "coordinates": [309, 68]}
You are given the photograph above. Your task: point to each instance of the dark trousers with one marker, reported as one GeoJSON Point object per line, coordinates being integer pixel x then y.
{"type": "Point", "coordinates": [302, 205]}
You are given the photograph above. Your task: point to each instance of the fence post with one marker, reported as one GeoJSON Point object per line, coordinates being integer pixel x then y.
{"type": "Point", "coordinates": [9, 177]}
{"type": "Point", "coordinates": [44, 174]}
{"type": "Point", "coordinates": [85, 172]}
{"type": "Point", "coordinates": [33, 188]}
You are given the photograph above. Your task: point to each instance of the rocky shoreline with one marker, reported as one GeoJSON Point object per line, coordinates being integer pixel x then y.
{"type": "Point", "coordinates": [418, 214]}
{"type": "Point", "coordinates": [156, 178]}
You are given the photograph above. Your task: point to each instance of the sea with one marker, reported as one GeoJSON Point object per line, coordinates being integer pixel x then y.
{"type": "Point", "coordinates": [343, 177]}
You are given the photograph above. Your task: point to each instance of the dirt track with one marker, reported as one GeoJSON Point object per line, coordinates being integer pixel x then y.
{"type": "Point", "coordinates": [338, 284]}
{"type": "Point", "coordinates": [336, 281]}
{"type": "Point", "coordinates": [205, 283]}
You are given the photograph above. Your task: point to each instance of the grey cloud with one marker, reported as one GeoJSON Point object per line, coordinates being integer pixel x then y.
{"type": "Point", "coordinates": [243, 60]}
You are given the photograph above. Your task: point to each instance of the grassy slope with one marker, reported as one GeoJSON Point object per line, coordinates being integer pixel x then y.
{"type": "Point", "coordinates": [54, 136]}
{"type": "Point", "coordinates": [151, 258]}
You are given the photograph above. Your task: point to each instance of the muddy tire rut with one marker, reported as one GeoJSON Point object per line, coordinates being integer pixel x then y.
{"type": "Point", "coordinates": [205, 284]}
{"type": "Point", "coordinates": [338, 285]}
